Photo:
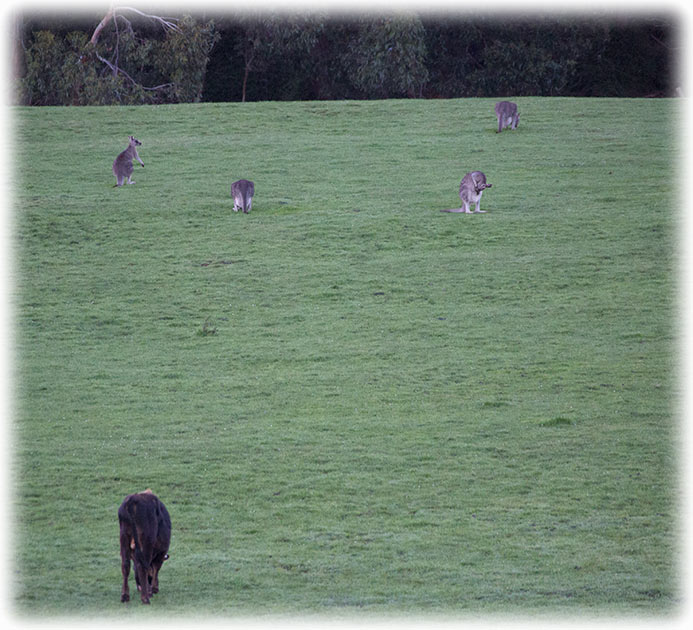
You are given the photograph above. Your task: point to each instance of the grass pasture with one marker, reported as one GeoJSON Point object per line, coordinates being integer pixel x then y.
{"type": "Point", "coordinates": [349, 401]}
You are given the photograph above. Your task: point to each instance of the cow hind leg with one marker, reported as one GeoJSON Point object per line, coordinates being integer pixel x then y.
{"type": "Point", "coordinates": [125, 567]}
{"type": "Point", "coordinates": [158, 560]}
{"type": "Point", "coordinates": [143, 582]}
{"type": "Point", "coordinates": [125, 593]}
{"type": "Point", "coordinates": [143, 567]}
{"type": "Point", "coordinates": [125, 554]}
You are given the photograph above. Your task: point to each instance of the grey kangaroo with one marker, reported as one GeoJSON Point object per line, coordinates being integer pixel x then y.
{"type": "Point", "coordinates": [471, 188]}
{"type": "Point", "coordinates": [242, 192]}
{"type": "Point", "coordinates": [507, 115]}
{"type": "Point", "coordinates": [122, 165]}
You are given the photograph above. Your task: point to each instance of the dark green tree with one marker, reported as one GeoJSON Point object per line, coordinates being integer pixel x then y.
{"type": "Point", "coordinates": [121, 62]}
{"type": "Point", "coordinates": [267, 39]}
{"type": "Point", "coordinates": [387, 58]}
{"type": "Point", "coordinates": [132, 57]}
{"type": "Point", "coordinates": [43, 82]}
{"type": "Point", "coordinates": [182, 58]}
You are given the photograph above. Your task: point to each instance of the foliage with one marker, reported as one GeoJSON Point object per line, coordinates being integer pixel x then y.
{"type": "Point", "coordinates": [70, 70]}
{"type": "Point", "coordinates": [264, 38]}
{"type": "Point", "coordinates": [404, 55]}
{"type": "Point", "coordinates": [314, 56]}
{"type": "Point", "coordinates": [388, 57]}
{"type": "Point", "coordinates": [43, 83]}
{"type": "Point", "coordinates": [523, 69]}
{"type": "Point", "coordinates": [636, 58]}
{"type": "Point", "coordinates": [520, 57]}
{"type": "Point", "coordinates": [182, 57]}
{"type": "Point", "coordinates": [350, 402]}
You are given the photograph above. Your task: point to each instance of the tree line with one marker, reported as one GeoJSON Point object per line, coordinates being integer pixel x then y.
{"type": "Point", "coordinates": [128, 57]}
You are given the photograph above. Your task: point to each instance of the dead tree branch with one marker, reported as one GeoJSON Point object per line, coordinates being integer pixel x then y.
{"type": "Point", "coordinates": [113, 13]}
{"type": "Point", "coordinates": [167, 23]}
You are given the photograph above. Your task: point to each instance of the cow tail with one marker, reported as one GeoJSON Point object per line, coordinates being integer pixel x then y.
{"type": "Point", "coordinates": [129, 508]}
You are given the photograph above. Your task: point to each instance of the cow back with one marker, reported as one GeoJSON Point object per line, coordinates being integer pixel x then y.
{"type": "Point", "coordinates": [147, 519]}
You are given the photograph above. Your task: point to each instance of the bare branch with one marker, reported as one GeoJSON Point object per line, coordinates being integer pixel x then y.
{"type": "Point", "coordinates": [128, 23]}
{"type": "Point", "coordinates": [100, 27]}
{"type": "Point", "coordinates": [661, 43]}
{"type": "Point", "coordinates": [117, 70]}
{"type": "Point", "coordinates": [167, 23]}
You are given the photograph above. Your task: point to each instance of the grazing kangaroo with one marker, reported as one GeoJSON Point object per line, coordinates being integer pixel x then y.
{"type": "Point", "coordinates": [471, 187]}
{"type": "Point", "coordinates": [507, 115]}
{"type": "Point", "coordinates": [242, 192]}
{"type": "Point", "coordinates": [122, 165]}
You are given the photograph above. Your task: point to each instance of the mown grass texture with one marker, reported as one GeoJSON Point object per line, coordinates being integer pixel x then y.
{"type": "Point", "coordinates": [348, 400]}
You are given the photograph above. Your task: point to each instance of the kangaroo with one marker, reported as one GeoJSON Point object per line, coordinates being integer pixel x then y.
{"type": "Point", "coordinates": [471, 187]}
{"type": "Point", "coordinates": [242, 192]}
{"type": "Point", "coordinates": [507, 115]}
{"type": "Point", "coordinates": [122, 165]}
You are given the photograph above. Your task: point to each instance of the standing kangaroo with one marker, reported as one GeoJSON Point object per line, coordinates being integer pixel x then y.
{"type": "Point", "coordinates": [122, 165]}
{"type": "Point", "coordinates": [242, 192]}
{"type": "Point", "coordinates": [507, 115]}
{"type": "Point", "coordinates": [471, 187]}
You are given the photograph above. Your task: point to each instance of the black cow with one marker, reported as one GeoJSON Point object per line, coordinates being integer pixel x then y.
{"type": "Point", "coordinates": [145, 534]}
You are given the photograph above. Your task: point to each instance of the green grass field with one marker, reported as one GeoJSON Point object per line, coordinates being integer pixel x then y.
{"type": "Point", "coordinates": [350, 402]}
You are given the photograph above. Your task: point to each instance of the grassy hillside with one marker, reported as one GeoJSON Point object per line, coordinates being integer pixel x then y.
{"type": "Point", "coordinates": [348, 400]}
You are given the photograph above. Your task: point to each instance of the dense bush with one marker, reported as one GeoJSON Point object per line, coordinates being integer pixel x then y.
{"type": "Point", "coordinates": [308, 57]}
{"type": "Point", "coordinates": [387, 57]}
{"type": "Point", "coordinates": [121, 68]}
{"type": "Point", "coordinates": [378, 57]}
